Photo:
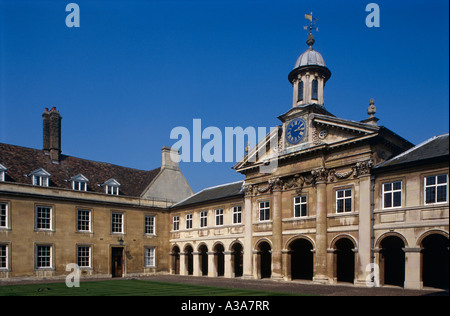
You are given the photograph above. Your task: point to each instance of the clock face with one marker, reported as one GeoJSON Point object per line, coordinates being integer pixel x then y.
{"type": "Point", "coordinates": [296, 131]}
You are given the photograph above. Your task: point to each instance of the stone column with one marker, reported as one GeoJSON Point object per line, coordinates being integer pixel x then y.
{"type": "Point", "coordinates": [277, 265]}
{"type": "Point", "coordinates": [212, 268]}
{"type": "Point", "coordinates": [412, 268]}
{"type": "Point", "coordinates": [228, 273]}
{"type": "Point", "coordinates": [320, 261]}
{"type": "Point", "coordinates": [196, 264]}
{"type": "Point", "coordinates": [248, 222]}
{"type": "Point", "coordinates": [183, 263]}
{"type": "Point", "coordinates": [362, 169]}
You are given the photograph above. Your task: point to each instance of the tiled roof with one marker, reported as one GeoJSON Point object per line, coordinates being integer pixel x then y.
{"type": "Point", "coordinates": [21, 161]}
{"type": "Point", "coordinates": [434, 148]}
{"type": "Point", "coordinates": [214, 193]}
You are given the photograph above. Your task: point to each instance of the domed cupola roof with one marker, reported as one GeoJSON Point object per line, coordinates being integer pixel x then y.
{"type": "Point", "coordinates": [310, 60]}
{"type": "Point", "coordinates": [310, 56]}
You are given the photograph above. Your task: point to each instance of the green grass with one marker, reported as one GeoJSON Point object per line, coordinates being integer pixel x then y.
{"type": "Point", "coordinates": [127, 288]}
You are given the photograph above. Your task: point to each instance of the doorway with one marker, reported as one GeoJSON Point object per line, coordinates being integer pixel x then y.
{"type": "Point", "coordinates": [117, 262]}
{"type": "Point", "coordinates": [302, 261]}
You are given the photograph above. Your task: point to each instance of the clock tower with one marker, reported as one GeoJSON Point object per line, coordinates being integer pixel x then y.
{"type": "Point", "coordinates": [308, 80]}
{"type": "Point", "coordinates": [309, 76]}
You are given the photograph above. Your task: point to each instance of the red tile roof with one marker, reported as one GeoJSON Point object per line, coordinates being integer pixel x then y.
{"type": "Point", "coordinates": [21, 161]}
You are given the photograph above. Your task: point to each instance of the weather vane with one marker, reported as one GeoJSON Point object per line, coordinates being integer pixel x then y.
{"type": "Point", "coordinates": [312, 24]}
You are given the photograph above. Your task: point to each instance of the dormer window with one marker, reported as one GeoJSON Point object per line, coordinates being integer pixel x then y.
{"type": "Point", "coordinates": [2, 173]}
{"type": "Point", "coordinates": [79, 182]}
{"type": "Point", "coordinates": [111, 187]}
{"type": "Point", "coordinates": [40, 177]}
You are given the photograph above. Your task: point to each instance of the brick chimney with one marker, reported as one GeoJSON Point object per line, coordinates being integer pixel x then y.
{"type": "Point", "coordinates": [52, 133]}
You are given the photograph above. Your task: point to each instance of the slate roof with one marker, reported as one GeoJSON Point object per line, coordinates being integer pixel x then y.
{"type": "Point", "coordinates": [21, 161]}
{"type": "Point", "coordinates": [435, 148]}
{"type": "Point", "coordinates": [228, 190]}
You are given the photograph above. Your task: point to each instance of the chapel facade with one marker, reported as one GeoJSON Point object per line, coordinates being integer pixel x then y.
{"type": "Point", "coordinates": [324, 199]}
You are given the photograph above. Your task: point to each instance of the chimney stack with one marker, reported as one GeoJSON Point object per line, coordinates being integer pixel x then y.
{"type": "Point", "coordinates": [52, 133]}
{"type": "Point", "coordinates": [170, 158]}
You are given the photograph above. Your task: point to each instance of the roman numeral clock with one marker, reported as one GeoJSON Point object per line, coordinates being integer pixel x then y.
{"type": "Point", "coordinates": [296, 131]}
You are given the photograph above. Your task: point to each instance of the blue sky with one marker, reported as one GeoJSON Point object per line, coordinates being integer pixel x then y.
{"type": "Point", "coordinates": [136, 69]}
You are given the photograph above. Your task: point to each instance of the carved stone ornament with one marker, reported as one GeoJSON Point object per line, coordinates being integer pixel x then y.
{"type": "Point", "coordinates": [320, 174]}
{"type": "Point", "coordinates": [248, 189]}
{"type": "Point", "coordinates": [339, 175]}
{"type": "Point", "coordinates": [362, 168]}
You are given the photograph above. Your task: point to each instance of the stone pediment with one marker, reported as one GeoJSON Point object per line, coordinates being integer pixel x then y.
{"type": "Point", "coordinates": [325, 132]}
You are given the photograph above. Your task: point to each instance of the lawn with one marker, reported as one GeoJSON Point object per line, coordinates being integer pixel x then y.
{"type": "Point", "coordinates": [127, 288]}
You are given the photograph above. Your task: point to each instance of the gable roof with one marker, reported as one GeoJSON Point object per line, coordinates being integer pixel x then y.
{"type": "Point", "coordinates": [434, 148]}
{"type": "Point", "coordinates": [228, 190]}
{"type": "Point", "coordinates": [20, 161]}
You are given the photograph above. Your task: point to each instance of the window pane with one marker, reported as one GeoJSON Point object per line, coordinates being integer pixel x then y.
{"type": "Point", "coordinates": [387, 186]}
{"type": "Point", "coordinates": [430, 195]}
{"type": "Point", "coordinates": [340, 206]}
{"type": "Point", "coordinates": [431, 180]}
{"type": "Point", "coordinates": [387, 200]}
{"type": "Point", "coordinates": [398, 185]}
{"type": "Point", "coordinates": [442, 179]}
{"type": "Point", "coordinates": [397, 199]}
{"type": "Point", "coordinates": [348, 205]}
{"type": "Point", "coordinates": [442, 193]}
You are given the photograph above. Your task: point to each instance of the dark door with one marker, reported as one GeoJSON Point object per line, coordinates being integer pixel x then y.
{"type": "Point", "coordinates": [117, 262]}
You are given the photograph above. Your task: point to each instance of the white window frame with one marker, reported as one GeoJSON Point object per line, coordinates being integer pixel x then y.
{"type": "Point", "coordinates": [264, 211]}
{"type": "Point", "coordinates": [150, 257]}
{"type": "Point", "coordinates": [189, 221]}
{"type": "Point", "coordinates": [39, 257]}
{"type": "Point", "coordinates": [204, 219]}
{"type": "Point", "coordinates": [4, 215]}
{"type": "Point", "coordinates": [41, 181]}
{"type": "Point", "coordinates": [83, 220]}
{"type": "Point", "coordinates": [85, 256]}
{"type": "Point", "coordinates": [40, 177]}
{"type": "Point", "coordinates": [302, 202]}
{"type": "Point", "coordinates": [2, 173]}
{"type": "Point", "coordinates": [4, 257]}
{"type": "Point", "coordinates": [392, 192]}
{"type": "Point", "coordinates": [116, 223]}
{"type": "Point", "coordinates": [219, 217]}
{"type": "Point", "coordinates": [112, 187]}
{"type": "Point", "coordinates": [344, 200]}
{"type": "Point", "coordinates": [237, 214]}
{"type": "Point", "coordinates": [40, 219]}
{"type": "Point", "coordinates": [436, 185]}
{"type": "Point", "coordinates": [150, 226]}
{"type": "Point", "coordinates": [176, 223]}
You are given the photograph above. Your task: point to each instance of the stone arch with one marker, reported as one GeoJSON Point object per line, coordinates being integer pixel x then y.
{"type": "Point", "coordinates": [434, 246]}
{"type": "Point", "coordinates": [237, 260]}
{"type": "Point", "coordinates": [392, 258]}
{"type": "Point", "coordinates": [188, 263]}
{"type": "Point", "coordinates": [344, 259]}
{"type": "Point", "coordinates": [263, 249]}
{"type": "Point", "coordinates": [300, 257]}
{"type": "Point", "coordinates": [340, 236]}
{"type": "Point", "coordinates": [431, 232]}
{"type": "Point", "coordinates": [175, 259]}
{"type": "Point", "coordinates": [219, 258]}
{"type": "Point", "coordinates": [390, 233]}
{"type": "Point", "coordinates": [203, 258]}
